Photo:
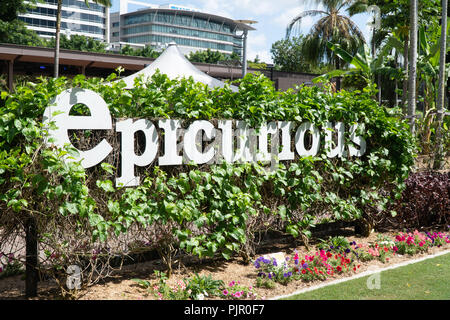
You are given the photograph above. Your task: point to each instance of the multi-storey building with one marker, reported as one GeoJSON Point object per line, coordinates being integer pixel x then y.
{"type": "Point", "coordinates": [190, 29]}
{"type": "Point", "coordinates": [76, 18]}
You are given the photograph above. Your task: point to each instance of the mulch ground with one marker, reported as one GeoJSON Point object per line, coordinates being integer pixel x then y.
{"type": "Point", "coordinates": [120, 285]}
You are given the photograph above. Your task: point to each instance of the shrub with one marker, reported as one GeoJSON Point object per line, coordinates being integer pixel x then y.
{"type": "Point", "coordinates": [425, 201]}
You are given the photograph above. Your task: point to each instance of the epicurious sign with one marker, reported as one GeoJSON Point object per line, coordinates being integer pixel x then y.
{"type": "Point", "coordinates": [202, 141]}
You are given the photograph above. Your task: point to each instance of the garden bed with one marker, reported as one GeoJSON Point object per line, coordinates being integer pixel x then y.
{"type": "Point", "coordinates": [122, 285]}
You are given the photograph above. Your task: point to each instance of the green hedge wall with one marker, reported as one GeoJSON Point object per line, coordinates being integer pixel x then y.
{"type": "Point", "coordinates": [203, 210]}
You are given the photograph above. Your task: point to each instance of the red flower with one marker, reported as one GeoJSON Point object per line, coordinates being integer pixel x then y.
{"type": "Point", "coordinates": [385, 249]}
{"type": "Point", "coordinates": [329, 254]}
{"type": "Point", "coordinates": [354, 268]}
{"type": "Point", "coordinates": [339, 268]}
{"type": "Point", "coordinates": [303, 271]}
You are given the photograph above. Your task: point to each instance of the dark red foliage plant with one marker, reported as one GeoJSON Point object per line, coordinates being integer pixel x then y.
{"type": "Point", "coordinates": [425, 201]}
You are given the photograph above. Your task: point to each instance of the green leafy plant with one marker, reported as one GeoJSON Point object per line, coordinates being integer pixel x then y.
{"type": "Point", "coordinates": [199, 286]}
{"type": "Point", "coordinates": [336, 244]}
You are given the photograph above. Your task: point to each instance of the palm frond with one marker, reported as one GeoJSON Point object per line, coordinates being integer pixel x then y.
{"type": "Point", "coordinates": [297, 20]}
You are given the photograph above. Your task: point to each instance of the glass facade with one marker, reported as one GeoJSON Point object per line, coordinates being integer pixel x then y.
{"type": "Point", "coordinates": [76, 17]}
{"type": "Point", "coordinates": [64, 25]}
{"type": "Point", "coordinates": [178, 19]}
{"type": "Point", "coordinates": [178, 31]}
{"type": "Point", "coordinates": [184, 28]}
{"type": "Point", "coordinates": [68, 15]}
{"type": "Point", "coordinates": [180, 41]}
{"type": "Point", "coordinates": [80, 4]}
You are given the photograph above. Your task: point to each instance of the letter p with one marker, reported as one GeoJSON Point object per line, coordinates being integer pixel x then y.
{"type": "Point", "coordinates": [129, 158]}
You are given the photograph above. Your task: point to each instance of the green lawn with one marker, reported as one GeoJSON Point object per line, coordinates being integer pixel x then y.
{"type": "Point", "coordinates": [425, 280]}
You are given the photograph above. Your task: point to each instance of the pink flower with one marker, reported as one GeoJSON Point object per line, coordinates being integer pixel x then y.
{"type": "Point", "coordinates": [410, 240]}
{"type": "Point", "coordinates": [225, 292]}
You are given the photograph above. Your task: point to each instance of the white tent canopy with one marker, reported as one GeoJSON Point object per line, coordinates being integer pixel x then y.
{"type": "Point", "coordinates": [175, 65]}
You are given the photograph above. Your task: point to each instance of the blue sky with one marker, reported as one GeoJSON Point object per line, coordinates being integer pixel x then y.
{"type": "Point", "coordinates": [273, 17]}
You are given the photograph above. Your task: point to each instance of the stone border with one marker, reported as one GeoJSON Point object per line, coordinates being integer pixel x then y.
{"type": "Point", "coordinates": [362, 274]}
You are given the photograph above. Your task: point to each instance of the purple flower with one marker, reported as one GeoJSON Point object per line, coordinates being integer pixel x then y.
{"type": "Point", "coordinates": [275, 264]}
{"type": "Point", "coordinates": [305, 266]}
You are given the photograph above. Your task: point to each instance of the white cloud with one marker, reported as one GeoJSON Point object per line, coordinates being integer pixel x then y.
{"type": "Point", "coordinates": [287, 15]}
{"type": "Point", "coordinates": [256, 39]}
{"type": "Point", "coordinates": [263, 56]}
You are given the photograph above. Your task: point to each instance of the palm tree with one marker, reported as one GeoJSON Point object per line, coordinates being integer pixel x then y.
{"type": "Point", "coordinates": [393, 25]}
{"type": "Point", "coordinates": [438, 163]}
{"type": "Point", "coordinates": [106, 3]}
{"type": "Point", "coordinates": [331, 27]}
{"type": "Point", "coordinates": [412, 65]}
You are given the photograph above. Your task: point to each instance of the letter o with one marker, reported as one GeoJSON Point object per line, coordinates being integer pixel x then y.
{"type": "Point", "coordinates": [300, 139]}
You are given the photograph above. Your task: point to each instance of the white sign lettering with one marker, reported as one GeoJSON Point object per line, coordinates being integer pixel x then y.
{"type": "Point", "coordinates": [202, 142]}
